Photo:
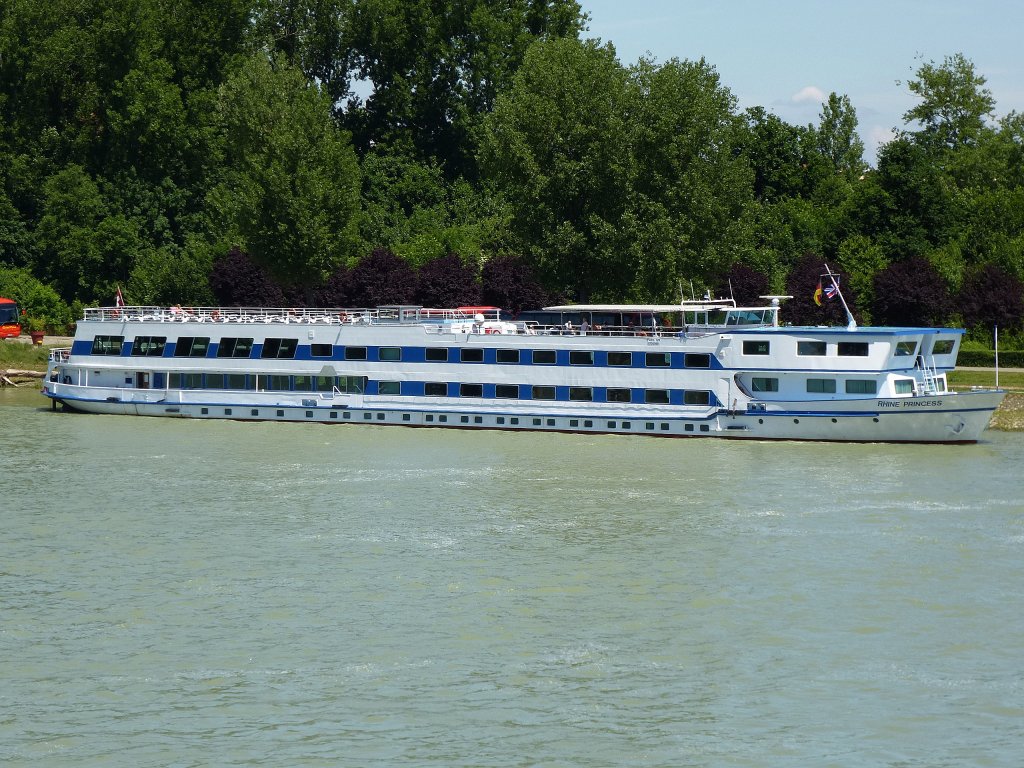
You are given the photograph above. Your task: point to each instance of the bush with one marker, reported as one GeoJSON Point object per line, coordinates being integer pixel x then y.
{"type": "Point", "coordinates": [447, 282]}
{"type": "Point", "coordinates": [39, 301]}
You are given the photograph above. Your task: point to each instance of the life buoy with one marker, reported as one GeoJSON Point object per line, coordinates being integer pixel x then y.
{"type": "Point", "coordinates": [489, 330]}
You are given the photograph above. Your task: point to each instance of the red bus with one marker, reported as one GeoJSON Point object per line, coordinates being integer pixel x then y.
{"type": "Point", "coordinates": [10, 319]}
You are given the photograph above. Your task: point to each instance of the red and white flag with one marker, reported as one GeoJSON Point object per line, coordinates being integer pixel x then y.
{"type": "Point", "coordinates": [119, 299]}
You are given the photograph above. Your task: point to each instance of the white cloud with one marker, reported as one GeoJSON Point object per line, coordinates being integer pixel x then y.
{"type": "Point", "coordinates": [809, 93]}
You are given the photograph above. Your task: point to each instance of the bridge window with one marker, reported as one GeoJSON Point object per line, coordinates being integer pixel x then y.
{"type": "Point", "coordinates": [943, 346]}
{"type": "Point", "coordinates": [853, 349]}
{"type": "Point", "coordinates": [906, 349]}
{"type": "Point", "coordinates": [811, 348]}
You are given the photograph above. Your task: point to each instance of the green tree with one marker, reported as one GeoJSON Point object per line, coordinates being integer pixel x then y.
{"type": "Point", "coordinates": [954, 103]}
{"type": "Point", "coordinates": [557, 146]}
{"type": "Point", "coordinates": [837, 139]}
{"type": "Point", "coordinates": [290, 194]}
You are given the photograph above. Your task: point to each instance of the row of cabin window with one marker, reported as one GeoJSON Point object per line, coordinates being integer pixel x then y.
{"type": "Point", "coordinates": [359, 385]}
{"type": "Point", "coordinates": [284, 349]}
{"type": "Point", "coordinates": [828, 386]}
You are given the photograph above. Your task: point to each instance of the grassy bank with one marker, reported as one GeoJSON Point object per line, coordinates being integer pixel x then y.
{"type": "Point", "coordinates": [14, 354]}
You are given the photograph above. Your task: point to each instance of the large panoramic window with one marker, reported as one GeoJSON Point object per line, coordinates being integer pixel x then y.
{"type": "Point", "coordinates": [192, 346]}
{"type": "Point", "coordinates": [148, 346]}
{"type": "Point", "coordinates": [107, 345]}
{"type": "Point", "coordinates": [231, 347]}
{"type": "Point", "coordinates": [283, 349]}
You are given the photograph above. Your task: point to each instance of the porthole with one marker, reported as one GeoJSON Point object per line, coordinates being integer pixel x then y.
{"type": "Point", "coordinates": [796, 421]}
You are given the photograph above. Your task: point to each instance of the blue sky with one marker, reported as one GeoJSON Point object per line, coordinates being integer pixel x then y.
{"type": "Point", "coordinates": [788, 55]}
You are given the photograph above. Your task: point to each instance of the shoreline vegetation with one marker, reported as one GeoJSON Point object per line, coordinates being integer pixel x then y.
{"type": "Point", "coordinates": [22, 363]}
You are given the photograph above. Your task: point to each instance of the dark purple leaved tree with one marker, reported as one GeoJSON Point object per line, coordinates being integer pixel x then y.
{"type": "Point", "coordinates": [381, 278]}
{"type": "Point", "coordinates": [237, 281]}
{"type": "Point", "coordinates": [911, 292]}
{"type": "Point", "coordinates": [447, 282]}
{"type": "Point", "coordinates": [335, 291]}
{"type": "Point", "coordinates": [747, 284]}
{"type": "Point", "coordinates": [991, 297]}
{"type": "Point", "coordinates": [509, 282]}
{"type": "Point", "coordinates": [802, 283]}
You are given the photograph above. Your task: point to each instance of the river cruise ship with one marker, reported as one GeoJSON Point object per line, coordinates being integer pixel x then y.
{"type": "Point", "coordinates": [694, 369]}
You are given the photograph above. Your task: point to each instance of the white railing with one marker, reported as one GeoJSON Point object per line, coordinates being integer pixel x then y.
{"type": "Point", "coordinates": [332, 316]}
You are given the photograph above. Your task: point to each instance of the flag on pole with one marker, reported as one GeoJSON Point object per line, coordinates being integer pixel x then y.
{"type": "Point", "coordinates": [833, 289]}
{"type": "Point", "coordinates": [817, 294]}
{"type": "Point", "coordinates": [119, 299]}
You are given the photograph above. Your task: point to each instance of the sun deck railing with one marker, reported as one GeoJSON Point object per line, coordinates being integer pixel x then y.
{"type": "Point", "coordinates": [334, 315]}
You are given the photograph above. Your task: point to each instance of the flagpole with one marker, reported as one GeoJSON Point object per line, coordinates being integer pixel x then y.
{"type": "Point", "coordinates": [851, 324]}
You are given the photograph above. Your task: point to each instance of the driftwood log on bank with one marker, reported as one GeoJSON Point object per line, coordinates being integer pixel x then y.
{"type": "Point", "coordinates": [8, 376]}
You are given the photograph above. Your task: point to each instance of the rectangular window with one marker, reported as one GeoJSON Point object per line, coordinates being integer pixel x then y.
{"type": "Point", "coordinates": [107, 345]}
{"type": "Point", "coordinates": [435, 389]}
{"type": "Point", "coordinates": [620, 358]}
{"type": "Point", "coordinates": [389, 388]}
{"type": "Point", "coordinates": [471, 355]}
{"type": "Point", "coordinates": [860, 387]}
{"type": "Point", "coordinates": [943, 346]}
{"type": "Point", "coordinates": [696, 397]}
{"type": "Point", "coordinates": [618, 395]}
{"type": "Point", "coordinates": [826, 386]}
{"type": "Point", "coordinates": [658, 359]}
{"type": "Point", "coordinates": [325, 383]}
{"type": "Point", "coordinates": [355, 353]}
{"type": "Point", "coordinates": [697, 361]}
{"type": "Point", "coordinates": [390, 354]}
{"type": "Point", "coordinates": [192, 346]}
{"type": "Point", "coordinates": [811, 348]}
{"type": "Point", "coordinates": [185, 381]}
{"type": "Point", "coordinates": [853, 349]}
{"type": "Point", "coordinates": [282, 349]}
{"type": "Point", "coordinates": [906, 349]}
{"type": "Point", "coordinates": [904, 386]}
{"type": "Point", "coordinates": [756, 347]}
{"type": "Point", "coordinates": [471, 390]}
{"type": "Point", "coordinates": [581, 357]}
{"type": "Point", "coordinates": [436, 354]}
{"type": "Point", "coordinates": [215, 381]}
{"type": "Point", "coordinates": [148, 346]}
{"type": "Point", "coordinates": [585, 394]}
{"type": "Point", "coordinates": [543, 393]}
{"type": "Point", "coordinates": [510, 391]}
{"type": "Point", "coordinates": [351, 385]}
{"type": "Point", "coordinates": [543, 357]}
{"type": "Point", "coordinates": [231, 347]}
{"type": "Point", "coordinates": [656, 396]}
{"type": "Point", "coordinates": [764, 384]}
{"type": "Point", "coordinates": [303, 383]}
{"type": "Point", "coordinates": [508, 356]}
{"type": "Point", "coordinates": [277, 383]}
